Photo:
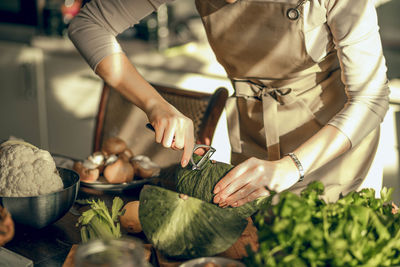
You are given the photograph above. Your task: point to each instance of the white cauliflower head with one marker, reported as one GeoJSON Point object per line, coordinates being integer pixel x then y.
{"type": "Point", "coordinates": [27, 171]}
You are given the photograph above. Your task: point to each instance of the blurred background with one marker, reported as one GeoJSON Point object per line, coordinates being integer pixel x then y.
{"type": "Point", "coordinates": [49, 96]}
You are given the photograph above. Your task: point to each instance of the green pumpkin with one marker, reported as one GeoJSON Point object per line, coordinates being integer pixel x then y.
{"type": "Point", "coordinates": [200, 183]}
{"type": "Point", "coordinates": [186, 227]}
{"type": "Point", "coordinates": [195, 227]}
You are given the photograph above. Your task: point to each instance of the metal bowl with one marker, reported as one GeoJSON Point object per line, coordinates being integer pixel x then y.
{"type": "Point", "coordinates": [43, 210]}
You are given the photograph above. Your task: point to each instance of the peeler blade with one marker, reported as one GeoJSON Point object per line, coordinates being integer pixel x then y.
{"type": "Point", "coordinates": [201, 163]}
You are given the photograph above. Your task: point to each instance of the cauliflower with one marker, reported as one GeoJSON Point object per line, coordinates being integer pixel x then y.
{"type": "Point", "coordinates": [26, 170]}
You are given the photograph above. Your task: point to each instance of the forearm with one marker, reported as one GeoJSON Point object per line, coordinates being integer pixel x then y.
{"type": "Point", "coordinates": [324, 146]}
{"type": "Point", "coordinates": [172, 128]}
{"type": "Point", "coordinates": [118, 72]}
{"type": "Point", "coordinates": [355, 33]}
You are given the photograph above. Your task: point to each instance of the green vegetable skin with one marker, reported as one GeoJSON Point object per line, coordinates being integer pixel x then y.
{"type": "Point", "coordinates": [357, 230]}
{"type": "Point", "coordinates": [200, 184]}
{"type": "Point", "coordinates": [194, 227]}
{"type": "Point", "coordinates": [97, 223]}
{"type": "Point", "coordinates": [184, 228]}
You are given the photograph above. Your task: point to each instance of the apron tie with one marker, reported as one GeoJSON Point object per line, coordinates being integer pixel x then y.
{"type": "Point", "coordinates": [271, 98]}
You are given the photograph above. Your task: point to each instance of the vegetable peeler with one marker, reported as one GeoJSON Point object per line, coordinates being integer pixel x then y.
{"type": "Point", "coordinates": [207, 155]}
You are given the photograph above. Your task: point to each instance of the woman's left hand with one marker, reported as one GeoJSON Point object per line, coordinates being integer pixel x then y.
{"type": "Point", "coordinates": [249, 180]}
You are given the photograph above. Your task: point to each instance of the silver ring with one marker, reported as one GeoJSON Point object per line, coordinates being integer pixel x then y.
{"type": "Point", "coordinates": [293, 13]}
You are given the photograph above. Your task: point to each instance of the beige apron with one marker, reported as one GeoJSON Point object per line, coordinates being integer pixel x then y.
{"type": "Point", "coordinates": [282, 97]}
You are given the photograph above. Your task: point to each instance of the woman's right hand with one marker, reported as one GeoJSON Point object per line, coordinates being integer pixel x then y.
{"type": "Point", "coordinates": [172, 129]}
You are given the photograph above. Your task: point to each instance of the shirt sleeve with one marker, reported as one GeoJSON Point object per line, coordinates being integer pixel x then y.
{"type": "Point", "coordinates": [355, 31]}
{"type": "Point", "coordinates": [94, 29]}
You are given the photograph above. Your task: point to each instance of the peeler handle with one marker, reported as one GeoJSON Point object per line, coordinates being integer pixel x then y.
{"type": "Point", "coordinates": [199, 165]}
{"type": "Point", "coordinates": [149, 126]}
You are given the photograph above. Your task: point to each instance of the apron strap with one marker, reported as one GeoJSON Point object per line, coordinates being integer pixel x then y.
{"type": "Point", "coordinates": [271, 128]}
{"type": "Point", "coordinates": [271, 98]}
{"type": "Point", "coordinates": [232, 113]}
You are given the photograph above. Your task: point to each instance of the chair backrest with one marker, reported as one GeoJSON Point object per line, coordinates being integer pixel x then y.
{"type": "Point", "coordinates": [117, 116]}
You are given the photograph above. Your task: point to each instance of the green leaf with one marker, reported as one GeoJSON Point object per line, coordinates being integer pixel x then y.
{"type": "Point", "coordinates": [313, 190]}
{"type": "Point", "coordinates": [381, 230]}
{"type": "Point", "coordinates": [386, 194]}
{"type": "Point", "coordinates": [116, 207]}
{"type": "Point", "coordinates": [87, 216]}
{"type": "Point", "coordinates": [361, 214]}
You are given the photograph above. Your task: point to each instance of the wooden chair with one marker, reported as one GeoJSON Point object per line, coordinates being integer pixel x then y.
{"type": "Point", "coordinates": [117, 116]}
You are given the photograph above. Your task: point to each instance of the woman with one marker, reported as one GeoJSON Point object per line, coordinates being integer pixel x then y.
{"type": "Point", "coordinates": [310, 88]}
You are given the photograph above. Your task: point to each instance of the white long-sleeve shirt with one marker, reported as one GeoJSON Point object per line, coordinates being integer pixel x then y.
{"type": "Point", "coordinates": [350, 27]}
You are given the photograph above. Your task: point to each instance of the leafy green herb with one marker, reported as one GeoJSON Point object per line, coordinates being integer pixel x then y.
{"type": "Point", "coordinates": [357, 230]}
{"type": "Point", "coordinates": [98, 223]}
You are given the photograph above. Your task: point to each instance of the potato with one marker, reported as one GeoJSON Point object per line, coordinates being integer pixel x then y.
{"type": "Point", "coordinates": [130, 219]}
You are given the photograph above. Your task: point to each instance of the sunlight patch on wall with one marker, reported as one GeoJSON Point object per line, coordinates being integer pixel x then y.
{"type": "Point", "coordinates": [199, 83]}
{"type": "Point", "coordinates": [78, 95]}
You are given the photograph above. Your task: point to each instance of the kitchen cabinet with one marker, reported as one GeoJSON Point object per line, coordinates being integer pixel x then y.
{"type": "Point", "coordinates": [22, 95]}
{"type": "Point", "coordinates": [72, 96]}
{"type": "Point", "coordinates": [49, 96]}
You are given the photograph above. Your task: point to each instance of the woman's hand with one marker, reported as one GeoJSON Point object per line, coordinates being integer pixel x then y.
{"type": "Point", "coordinates": [249, 180]}
{"type": "Point", "coordinates": [172, 129]}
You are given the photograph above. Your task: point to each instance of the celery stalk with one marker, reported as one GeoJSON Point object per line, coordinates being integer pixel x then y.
{"type": "Point", "coordinates": [98, 223]}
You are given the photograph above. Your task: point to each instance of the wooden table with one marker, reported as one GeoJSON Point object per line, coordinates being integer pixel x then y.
{"type": "Point", "coordinates": [50, 246]}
